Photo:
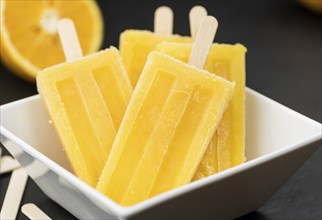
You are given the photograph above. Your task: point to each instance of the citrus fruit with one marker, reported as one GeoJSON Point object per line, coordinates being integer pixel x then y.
{"type": "Point", "coordinates": [29, 38]}
{"type": "Point", "coordinates": [313, 5]}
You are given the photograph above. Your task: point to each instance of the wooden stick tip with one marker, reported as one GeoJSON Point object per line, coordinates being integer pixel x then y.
{"type": "Point", "coordinates": [211, 19]}
{"type": "Point", "coordinates": [198, 9]}
{"type": "Point", "coordinates": [64, 22]}
{"type": "Point", "coordinates": [163, 9]}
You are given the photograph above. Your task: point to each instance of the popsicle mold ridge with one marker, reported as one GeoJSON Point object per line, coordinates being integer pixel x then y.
{"type": "Point", "coordinates": [86, 100]}
{"type": "Point", "coordinates": [168, 124]}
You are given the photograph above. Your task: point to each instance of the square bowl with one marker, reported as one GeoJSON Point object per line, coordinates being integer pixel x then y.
{"type": "Point", "coordinates": [278, 141]}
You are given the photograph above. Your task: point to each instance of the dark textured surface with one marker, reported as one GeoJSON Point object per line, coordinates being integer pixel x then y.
{"type": "Point", "coordinates": [283, 63]}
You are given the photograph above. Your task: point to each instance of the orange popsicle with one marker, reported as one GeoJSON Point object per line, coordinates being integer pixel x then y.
{"type": "Point", "coordinates": [170, 120]}
{"type": "Point", "coordinates": [86, 99]}
{"type": "Point", "coordinates": [227, 148]}
{"type": "Point", "coordinates": [135, 45]}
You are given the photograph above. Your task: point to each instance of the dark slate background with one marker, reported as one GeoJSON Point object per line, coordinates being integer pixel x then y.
{"type": "Point", "coordinates": [283, 63]}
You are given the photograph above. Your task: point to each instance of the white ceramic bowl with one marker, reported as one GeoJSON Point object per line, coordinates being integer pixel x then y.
{"type": "Point", "coordinates": [278, 141]}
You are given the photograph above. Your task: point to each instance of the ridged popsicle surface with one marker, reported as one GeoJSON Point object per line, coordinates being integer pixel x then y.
{"type": "Point", "coordinates": [227, 148]}
{"type": "Point", "coordinates": [166, 129]}
{"type": "Point", "coordinates": [86, 100]}
{"type": "Point", "coordinates": [135, 46]}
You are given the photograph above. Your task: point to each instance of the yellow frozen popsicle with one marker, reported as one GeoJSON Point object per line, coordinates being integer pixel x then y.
{"type": "Point", "coordinates": [227, 148]}
{"type": "Point", "coordinates": [86, 99]}
{"type": "Point", "coordinates": [135, 45]}
{"type": "Point", "coordinates": [169, 122]}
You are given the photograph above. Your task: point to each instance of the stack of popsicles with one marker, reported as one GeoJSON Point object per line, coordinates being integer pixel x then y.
{"type": "Point", "coordinates": [185, 119]}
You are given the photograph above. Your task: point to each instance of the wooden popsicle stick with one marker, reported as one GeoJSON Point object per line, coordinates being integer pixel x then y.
{"type": "Point", "coordinates": [196, 14]}
{"type": "Point", "coordinates": [33, 212]}
{"type": "Point", "coordinates": [163, 20]}
{"type": "Point", "coordinates": [7, 164]}
{"type": "Point", "coordinates": [14, 194]}
{"type": "Point", "coordinates": [69, 39]}
{"type": "Point", "coordinates": [204, 38]}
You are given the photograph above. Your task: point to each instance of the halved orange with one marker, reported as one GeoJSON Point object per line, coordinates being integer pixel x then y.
{"type": "Point", "coordinates": [313, 5]}
{"type": "Point", "coordinates": [29, 39]}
